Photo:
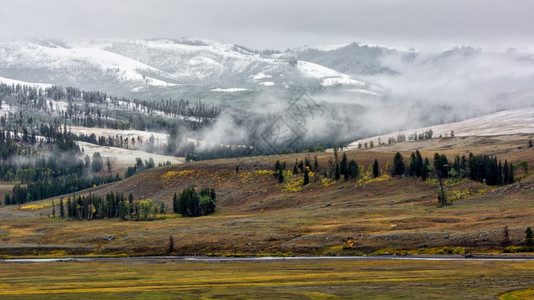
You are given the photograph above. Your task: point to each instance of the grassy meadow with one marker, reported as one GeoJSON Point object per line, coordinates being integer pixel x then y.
{"type": "Point", "coordinates": [295, 279]}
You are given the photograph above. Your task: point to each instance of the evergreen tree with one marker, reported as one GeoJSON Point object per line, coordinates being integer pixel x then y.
{"type": "Point", "coordinates": [506, 173]}
{"type": "Point", "coordinates": [279, 171]}
{"type": "Point", "coordinates": [442, 196]}
{"type": "Point", "coordinates": [499, 174]}
{"type": "Point", "coordinates": [505, 237]}
{"type": "Point", "coordinates": [170, 248]}
{"type": "Point", "coordinates": [529, 238]}
{"type": "Point", "coordinates": [280, 175]}
{"type": "Point", "coordinates": [277, 166]}
{"type": "Point", "coordinates": [53, 209]}
{"type": "Point", "coordinates": [376, 170]}
{"type": "Point", "coordinates": [343, 164]}
{"type": "Point", "coordinates": [69, 209]}
{"type": "Point", "coordinates": [426, 170]}
{"type": "Point", "coordinates": [97, 163]}
{"type": "Point", "coordinates": [412, 167]}
{"type": "Point", "coordinates": [61, 208]}
{"type": "Point", "coordinates": [315, 164]}
{"type": "Point", "coordinates": [337, 172]}
{"type": "Point", "coordinates": [418, 164]}
{"type": "Point", "coordinates": [306, 176]}
{"type": "Point", "coordinates": [131, 205]}
{"type": "Point", "coordinates": [354, 169]}
{"type": "Point", "coordinates": [398, 164]}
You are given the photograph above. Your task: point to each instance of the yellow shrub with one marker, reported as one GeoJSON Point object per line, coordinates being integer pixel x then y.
{"type": "Point", "coordinates": [37, 206]}
{"type": "Point", "coordinates": [367, 178]}
{"type": "Point", "coordinates": [327, 182]}
{"type": "Point", "coordinates": [264, 172]}
{"type": "Point", "coordinates": [293, 184]}
{"type": "Point", "coordinates": [176, 174]}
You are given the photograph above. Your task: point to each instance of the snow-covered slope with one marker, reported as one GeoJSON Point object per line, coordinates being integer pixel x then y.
{"type": "Point", "coordinates": [519, 121]}
{"type": "Point", "coordinates": [331, 78]}
{"type": "Point", "coordinates": [140, 65]}
{"type": "Point", "coordinates": [16, 82]}
{"type": "Point", "coordinates": [353, 59]}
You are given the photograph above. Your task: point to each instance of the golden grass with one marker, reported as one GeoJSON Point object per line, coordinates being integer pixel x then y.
{"type": "Point", "coordinates": [321, 279]}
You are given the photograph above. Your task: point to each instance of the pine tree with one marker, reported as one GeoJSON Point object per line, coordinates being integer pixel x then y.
{"type": "Point", "coordinates": [337, 172]}
{"type": "Point", "coordinates": [280, 176]}
{"type": "Point", "coordinates": [426, 170]}
{"type": "Point", "coordinates": [315, 164]}
{"type": "Point", "coordinates": [343, 164]}
{"type": "Point", "coordinates": [69, 209]}
{"type": "Point", "coordinates": [411, 168]}
{"type": "Point", "coordinates": [442, 196]}
{"type": "Point", "coordinates": [505, 173]}
{"type": "Point", "coordinates": [376, 170]}
{"type": "Point", "coordinates": [354, 170]}
{"type": "Point", "coordinates": [499, 174]}
{"type": "Point", "coordinates": [170, 248]}
{"type": "Point", "coordinates": [505, 237]}
{"type": "Point", "coordinates": [277, 166]}
{"type": "Point", "coordinates": [61, 208]}
{"type": "Point", "coordinates": [528, 238]}
{"type": "Point", "coordinates": [131, 205]}
{"type": "Point", "coordinates": [418, 164]}
{"type": "Point", "coordinates": [398, 164]}
{"type": "Point", "coordinates": [306, 176]}
{"type": "Point", "coordinates": [53, 209]}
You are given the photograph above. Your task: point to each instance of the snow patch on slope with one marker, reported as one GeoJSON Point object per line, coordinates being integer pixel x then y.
{"type": "Point", "coordinates": [312, 70]}
{"type": "Point", "coordinates": [261, 76]}
{"type": "Point", "coordinates": [230, 90]}
{"type": "Point", "coordinates": [519, 121]}
{"type": "Point", "coordinates": [32, 84]}
{"type": "Point", "coordinates": [326, 48]}
{"type": "Point", "coordinates": [329, 77]}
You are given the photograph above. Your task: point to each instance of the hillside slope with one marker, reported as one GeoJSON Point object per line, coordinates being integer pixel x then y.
{"type": "Point", "coordinates": [510, 122]}
{"type": "Point", "coordinates": [256, 214]}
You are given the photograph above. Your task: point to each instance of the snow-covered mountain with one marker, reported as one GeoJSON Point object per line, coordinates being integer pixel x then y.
{"type": "Point", "coordinates": [133, 65]}
{"type": "Point", "coordinates": [349, 73]}
{"type": "Point", "coordinates": [354, 58]}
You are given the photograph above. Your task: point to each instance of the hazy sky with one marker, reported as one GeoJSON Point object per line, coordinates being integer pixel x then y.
{"type": "Point", "coordinates": [279, 24]}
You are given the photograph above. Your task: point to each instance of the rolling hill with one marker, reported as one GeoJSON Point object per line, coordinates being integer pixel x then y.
{"type": "Point", "coordinates": [257, 215]}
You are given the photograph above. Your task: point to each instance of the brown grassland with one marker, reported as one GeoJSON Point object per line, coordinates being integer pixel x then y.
{"type": "Point", "coordinates": [256, 215]}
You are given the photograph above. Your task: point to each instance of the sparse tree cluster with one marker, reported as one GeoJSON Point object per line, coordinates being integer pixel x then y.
{"type": "Point", "coordinates": [112, 206]}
